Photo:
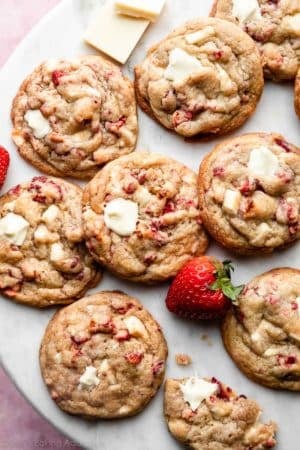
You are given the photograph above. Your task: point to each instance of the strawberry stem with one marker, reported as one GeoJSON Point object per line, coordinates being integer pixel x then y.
{"type": "Point", "coordinates": [223, 282]}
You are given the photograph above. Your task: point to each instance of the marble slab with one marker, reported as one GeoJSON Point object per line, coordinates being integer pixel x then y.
{"type": "Point", "coordinates": [21, 328]}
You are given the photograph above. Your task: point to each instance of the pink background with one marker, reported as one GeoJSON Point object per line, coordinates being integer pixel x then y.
{"type": "Point", "coordinates": [21, 428]}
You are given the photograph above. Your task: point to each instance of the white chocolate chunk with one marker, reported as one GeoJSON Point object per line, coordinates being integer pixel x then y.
{"type": "Point", "coordinates": [135, 326]}
{"type": "Point", "coordinates": [58, 358]}
{"type": "Point", "coordinates": [196, 390]}
{"type": "Point", "coordinates": [145, 9]}
{"type": "Point", "coordinates": [245, 10]}
{"type": "Point", "coordinates": [232, 200]}
{"type": "Point", "coordinates": [200, 36]}
{"type": "Point", "coordinates": [271, 352]}
{"type": "Point", "coordinates": [89, 378]}
{"type": "Point", "coordinates": [263, 162]}
{"type": "Point", "coordinates": [51, 214]}
{"type": "Point", "coordinates": [104, 367]}
{"type": "Point", "coordinates": [40, 126]}
{"type": "Point", "coordinates": [42, 234]}
{"type": "Point", "coordinates": [292, 24]}
{"type": "Point", "coordinates": [121, 216]}
{"type": "Point", "coordinates": [225, 82]}
{"type": "Point", "coordinates": [181, 66]}
{"type": "Point", "coordinates": [256, 336]}
{"type": "Point", "coordinates": [57, 252]}
{"type": "Point", "coordinates": [114, 34]}
{"type": "Point", "coordinates": [14, 228]}
{"type": "Point", "coordinates": [262, 232]}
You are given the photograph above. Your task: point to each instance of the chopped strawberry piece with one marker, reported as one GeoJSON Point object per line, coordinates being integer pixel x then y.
{"type": "Point", "coordinates": [218, 54]}
{"type": "Point", "coordinates": [4, 163]}
{"type": "Point", "coordinates": [218, 171]}
{"type": "Point", "coordinates": [130, 188]}
{"type": "Point", "coordinates": [79, 340]}
{"type": "Point", "coordinates": [114, 127]}
{"type": "Point", "coordinates": [180, 116]}
{"type": "Point", "coordinates": [295, 306]}
{"type": "Point", "coordinates": [286, 360]}
{"type": "Point", "coordinates": [283, 144]}
{"type": "Point", "coordinates": [56, 75]}
{"type": "Point", "coordinates": [122, 335]}
{"type": "Point", "coordinates": [134, 357]}
{"type": "Point", "coordinates": [169, 207]}
{"type": "Point", "coordinates": [157, 367]}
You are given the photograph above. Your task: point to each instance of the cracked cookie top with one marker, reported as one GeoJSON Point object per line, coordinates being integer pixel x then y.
{"type": "Point", "coordinates": [72, 116]}
{"type": "Point", "coordinates": [141, 217]}
{"type": "Point", "coordinates": [43, 259]}
{"type": "Point", "coordinates": [207, 414]}
{"type": "Point", "coordinates": [103, 356]}
{"type": "Point", "coordinates": [205, 78]}
{"type": "Point", "coordinates": [249, 189]}
{"type": "Point", "coordinates": [263, 333]}
{"type": "Point", "coordinates": [274, 25]}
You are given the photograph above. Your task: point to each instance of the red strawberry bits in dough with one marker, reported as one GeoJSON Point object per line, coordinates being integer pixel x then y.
{"type": "Point", "coordinates": [141, 217]}
{"type": "Point", "coordinates": [205, 78]}
{"type": "Point", "coordinates": [249, 192]}
{"type": "Point", "coordinates": [205, 414]}
{"type": "Point", "coordinates": [263, 334]}
{"type": "Point", "coordinates": [89, 370]}
{"type": "Point", "coordinates": [72, 116]}
{"type": "Point", "coordinates": [43, 260]}
{"type": "Point", "coordinates": [274, 25]}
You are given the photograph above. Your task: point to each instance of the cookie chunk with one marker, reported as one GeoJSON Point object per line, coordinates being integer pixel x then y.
{"type": "Point", "coordinates": [263, 334]}
{"type": "Point", "coordinates": [274, 26]}
{"type": "Point", "coordinates": [204, 78]}
{"type": "Point", "coordinates": [249, 190]}
{"type": "Point", "coordinates": [141, 217]}
{"type": "Point", "coordinates": [72, 116]}
{"type": "Point", "coordinates": [103, 356]}
{"type": "Point", "coordinates": [205, 414]}
{"type": "Point", "coordinates": [43, 259]}
{"type": "Point", "coordinates": [297, 94]}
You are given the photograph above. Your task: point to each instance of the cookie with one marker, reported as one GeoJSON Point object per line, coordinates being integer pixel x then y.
{"type": "Point", "coordinates": [263, 334]}
{"type": "Point", "coordinates": [43, 259]}
{"type": "Point", "coordinates": [72, 116]}
{"type": "Point", "coordinates": [141, 217]}
{"type": "Point", "coordinates": [297, 94]}
{"type": "Point", "coordinates": [103, 356]}
{"type": "Point", "coordinates": [249, 192]}
{"type": "Point", "coordinates": [205, 414]}
{"type": "Point", "coordinates": [274, 26]}
{"type": "Point", "coordinates": [205, 79]}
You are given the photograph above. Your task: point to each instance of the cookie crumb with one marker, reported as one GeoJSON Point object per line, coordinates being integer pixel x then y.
{"type": "Point", "coordinates": [207, 339]}
{"type": "Point", "coordinates": [183, 360]}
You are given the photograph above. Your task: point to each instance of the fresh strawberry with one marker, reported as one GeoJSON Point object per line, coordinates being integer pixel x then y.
{"type": "Point", "coordinates": [203, 289]}
{"type": "Point", "coordinates": [4, 163]}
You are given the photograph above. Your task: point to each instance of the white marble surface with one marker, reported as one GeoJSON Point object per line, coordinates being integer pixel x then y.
{"type": "Point", "coordinates": [21, 328]}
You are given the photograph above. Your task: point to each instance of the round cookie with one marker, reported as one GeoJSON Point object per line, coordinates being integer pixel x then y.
{"type": "Point", "coordinates": [274, 26]}
{"type": "Point", "coordinates": [249, 193]}
{"type": "Point", "coordinates": [297, 94]}
{"type": "Point", "coordinates": [207, 414]}
{"type": "Point", "coordinates": [72, 116]}
{"type": "Point", "coordinates": [43, 259]}
{"type": "Point", "coordinates": [141, 217]}
{"type": "Point", "coordinates": [205, 78]}
{"type": "Point", "coordinates": [103, 356]}
{"type": "Point", "coordinates": [263, 334]}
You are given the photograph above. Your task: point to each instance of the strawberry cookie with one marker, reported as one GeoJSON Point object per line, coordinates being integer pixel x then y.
{"type": "Point", "coordinates": [72, 116]}
{"type": "Point", "coordinates": [297, 94]}
{"type": "Point", "coordinates": [141, 217]}
{"type": "Point", "coordinates": [274, 25]}
{"type": "Point", "coordinates": [43, 259]}
{"type": "Point", "coordinates": [103, 356]}
{"type": "Point", "coordinates": [249, 191]}
{"type": "Point", "coordinates": [262, 334]}
{"type": "Point", "coordinates": [205, 78]}
{"type": "Point", "coordinates": [205, 414]}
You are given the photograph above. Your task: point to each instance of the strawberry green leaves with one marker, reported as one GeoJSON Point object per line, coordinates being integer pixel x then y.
{"type": "Point", "coordinates": [224, 283]}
